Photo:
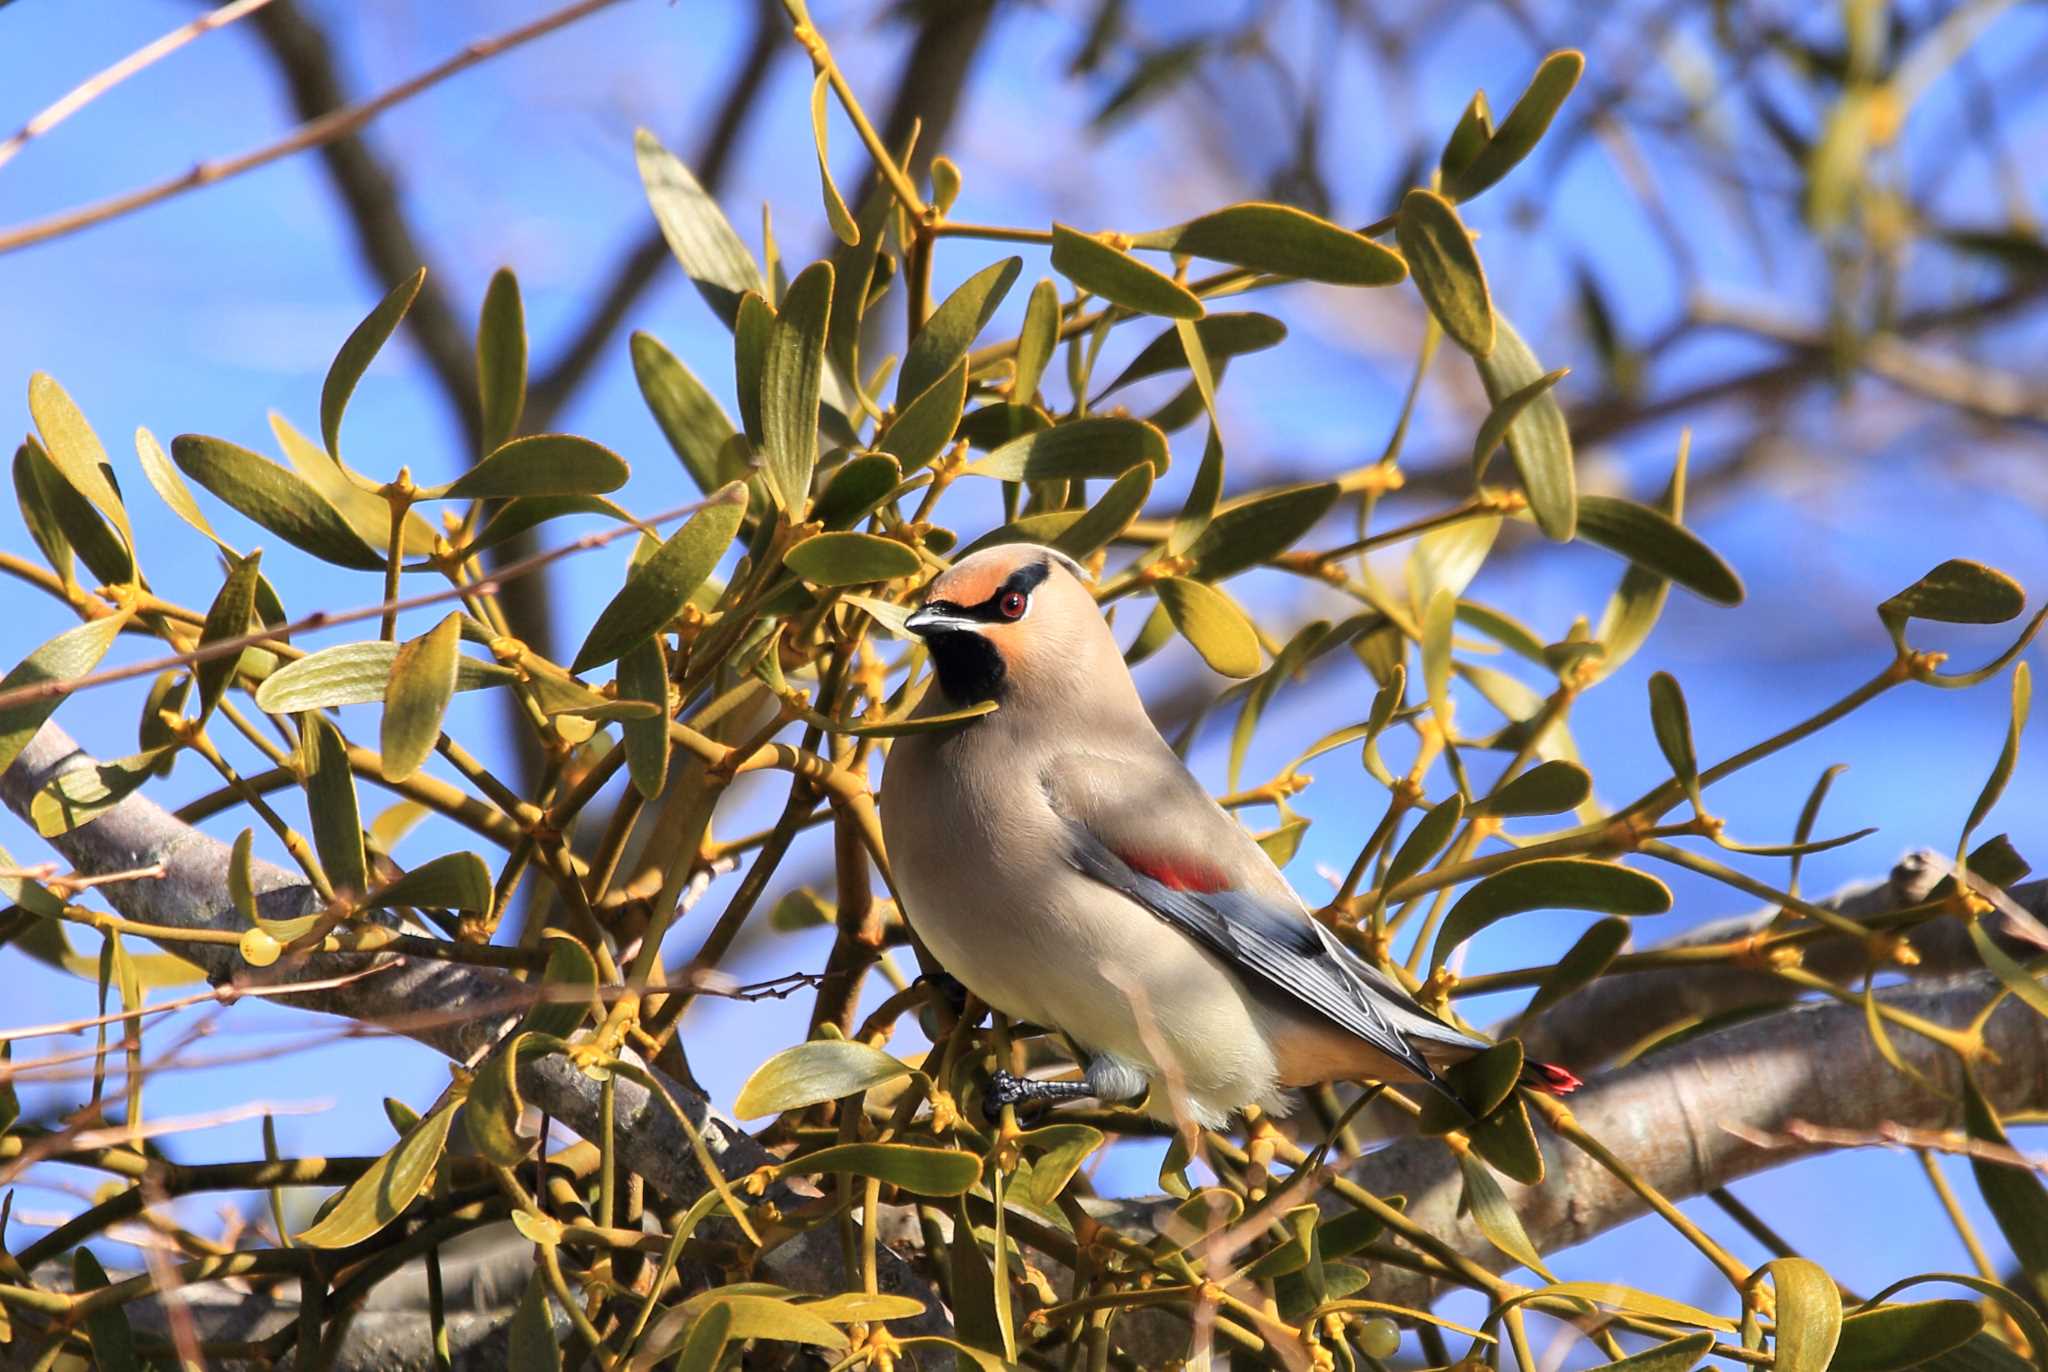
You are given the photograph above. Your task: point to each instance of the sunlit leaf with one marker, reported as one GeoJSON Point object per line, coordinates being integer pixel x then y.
{"type": "Point", "coordinates": [1523, 127]}
{"type": "Point", "coordinates": [500, 361]}
{"type": "Point", "coordinates": [1447, 559]}
{"type": "Point", "coordinates": [698, 233]}
{"type": "Point", "coordinates": [812, 1073]}
{"type": "Point", "coordinates": [1246, 532]}
{"type": "Point", "coordinates": [1679, 1355]}
{"type": "Point", "coordinates": [74, 450]}
{"type": "Point", "coordinates": [1223, 336]}
{"type": "Point", "coordinates": [1638, 601]}
{"type": "Point", "coordinates": [353, 497]}
{"type": "Point", "coordinates": [279, 500]}
{"type": "Point", "coordinates": [422, 682]}
{"type": "Point", "coordinates": [82, 794]}
{"type": "Point", "coordinates": [923, 428]}
{"type": "Point", "coordinates": [357, 352]}
{"type": "Point", "coordinates": [1284, 241]}
{"type": "Point", "coordinates": [382, 1193]}
{"type": "Point", "coordinates": [227, 618]}
{"type": "Point", "coordinates": [656, 590]}
{"type": "Point", "coordinates": [1586, 959]}
{"type": "Point", "coordinates": [1439, 616]}
{"type": "Point", "coordinates": [643, 675]}
{"type": "Point", "coordinates": [1494, 428]}
{"type": "Point", "coordinates": [495, 1108]}
{"type": "Point", "coordinates": [1108, 517]}
{"type": "Point", "coordinates": [851, 559]}
{"type": "Point", "coordinates": [1893, 1338]}
{"type": "Point", "coordinates": [1549, 884]}
{"type": "Point", "coordinates": [31, 494]}
{"type": "Point", "coordinates": [1118, 277]}
{"type": "Point", "coordinates": [1654, 541]}
{"type": "Point", "coordinates": [454, 881]}
{"type": "Point", "coordinates": [356, 674]}
{"type": "Point", "coordinates": [951, 329]}
{"type": "Point", "coordinates": [2015, 1196]}
{"type": "Point", "coordinates": [1469, 136]}
{"type": "Point", "coordinates": [66, 657]}
{"type": "Point", "coordinates": [1215, 626]}
{"type": "Point", "coordinates": [752, 330]}
{"type": "Point", "coordinates": [1036, 340]}
{"type": "Point", "coordinates": [1446, 269]}
{"type": "Point", "coordinates": [693, 422]}
{"type": "Point", "coordinates": [1809, 1315]}
{"type": "Point", "coordinates": [1426, 839]}
{"type": "Point", "coordinates": [1106, 446]}
{"type": "Point", "coordinates": [924, 1171]}
{"type": "Point", "coordinates": [331, 804]}
{"type": "Point", "coordinates": [1549, 788]}
{"type": "Point", "coordinates": [1495, 1217]}
{"type": "Point", "coordinates": [539, 464]}
{"type": "Point", "coordinates": [706, 1341]}
{"type": "Point", "coordinates": [1959, 591]}
{"type": "Point", "coordinates": [791, 374]}
{"type": "Point", "coordinates": [568, 985]}
{"type": "Point", "coordinates": [836, 213]}
{"type": "Point", "coordinates": [1537, 438]}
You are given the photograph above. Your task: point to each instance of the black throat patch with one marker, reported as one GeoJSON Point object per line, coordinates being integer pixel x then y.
{"type": "Point", "coordinates": [969, 668]}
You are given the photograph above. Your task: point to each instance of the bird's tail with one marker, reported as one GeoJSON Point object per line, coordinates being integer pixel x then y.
{"type": "Point", "coordinates": [1549, 1077]}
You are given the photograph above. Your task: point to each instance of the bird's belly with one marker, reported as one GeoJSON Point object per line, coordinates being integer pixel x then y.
{"type": "Point", "coordinates": [1101, 969]}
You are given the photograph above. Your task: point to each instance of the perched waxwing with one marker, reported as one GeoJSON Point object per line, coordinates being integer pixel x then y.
{"type": "Point", "coordinates": [1062, 863]}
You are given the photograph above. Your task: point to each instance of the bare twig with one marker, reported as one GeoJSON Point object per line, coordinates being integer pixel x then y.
{"type": "Point", "coordinates": [93, 87]}
{"type": "Point", "coordinates": [336, 125]}
{"type": "Point", "coordinates": [321, 619]}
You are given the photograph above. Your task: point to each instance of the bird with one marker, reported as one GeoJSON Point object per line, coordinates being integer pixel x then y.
{"type": "Point", "coordinates": [1059, 860]}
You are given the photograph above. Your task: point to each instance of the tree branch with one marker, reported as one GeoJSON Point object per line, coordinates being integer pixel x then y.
{"type": "Point", "coordinates": [390, 250]}
{"type": "Point", "coordinates": [1592, 1025]}
{"type": "Point", "coordinates": [468, 1004]}
{"type": "Point", "coordinates": [1671, 1118]}
{"type": "Point", "coordinates": [554, 387]}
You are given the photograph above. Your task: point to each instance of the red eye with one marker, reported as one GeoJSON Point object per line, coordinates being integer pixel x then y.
{"type": "Point", "coordinates": [1012, 604]}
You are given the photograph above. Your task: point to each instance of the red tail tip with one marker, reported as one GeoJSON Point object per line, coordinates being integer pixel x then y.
{"type": "Point", "coordinates": [1546, 1076]}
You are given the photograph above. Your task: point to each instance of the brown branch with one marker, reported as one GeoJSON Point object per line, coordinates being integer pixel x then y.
{"type": "Point", "coordinates": [1687, 1120]}
{"type": "Point", "coordinates": [98, 84]}
{"type": "Point", "coordinates": [312, 135]}
{"type": "Point", "coordinates": [384, 237]}
{"type": "Point", "coordinates": [553, 388]}
{"type": "Point", "coordinates": [1591, 1026]}
{"type": "Point", "coordinates": [468, 1001]}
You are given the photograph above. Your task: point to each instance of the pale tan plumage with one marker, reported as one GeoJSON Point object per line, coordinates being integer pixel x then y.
{"type": "Point", "coordinates": [1062, 863]}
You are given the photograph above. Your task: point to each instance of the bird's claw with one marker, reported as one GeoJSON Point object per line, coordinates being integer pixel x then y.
{"type": "Point", "coordinates": [1007, 1088]}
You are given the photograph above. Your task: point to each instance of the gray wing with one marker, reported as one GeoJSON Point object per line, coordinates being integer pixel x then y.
{"type": "Point", "coordinates": [1283, 948]}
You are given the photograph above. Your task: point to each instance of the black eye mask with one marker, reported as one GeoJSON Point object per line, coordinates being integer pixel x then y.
{"type": "Point", "coordinates": [1023, 581]}
{"type": "Point", "coordinates": [969, 667]}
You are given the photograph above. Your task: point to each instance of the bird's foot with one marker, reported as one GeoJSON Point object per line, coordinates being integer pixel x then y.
{"type": "Point", "coordinates": [1006, 1088]}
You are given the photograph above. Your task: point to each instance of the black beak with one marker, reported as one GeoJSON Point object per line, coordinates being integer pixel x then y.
{"type": "Point", "coordinates": [939, 619]}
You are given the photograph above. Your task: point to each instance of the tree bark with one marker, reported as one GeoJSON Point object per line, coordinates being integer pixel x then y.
{"type": "Point", "coordinates": [467, 1009]}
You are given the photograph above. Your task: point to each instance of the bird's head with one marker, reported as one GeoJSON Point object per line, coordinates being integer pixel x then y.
{"type": "Point", "coordinates": [1016, 623]}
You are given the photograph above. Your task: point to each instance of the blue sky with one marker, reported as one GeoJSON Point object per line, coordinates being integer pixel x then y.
{"type": "Point", "coordinates": [204, 313]}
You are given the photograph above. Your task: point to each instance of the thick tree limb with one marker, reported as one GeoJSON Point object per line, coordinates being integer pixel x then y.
{"type": "Point", "coordinates": [1591, 1026]}
{"type": "Point", "coordinates": [467, 1006]}
{"type": "Point", "coordinates": [1670, 1116]}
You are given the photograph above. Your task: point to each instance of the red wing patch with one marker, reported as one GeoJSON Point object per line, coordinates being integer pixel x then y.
{"type": "Point", "coordinates": [1177, 873]}
{"type": "Point", "coordinates": [1545, 1076]}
